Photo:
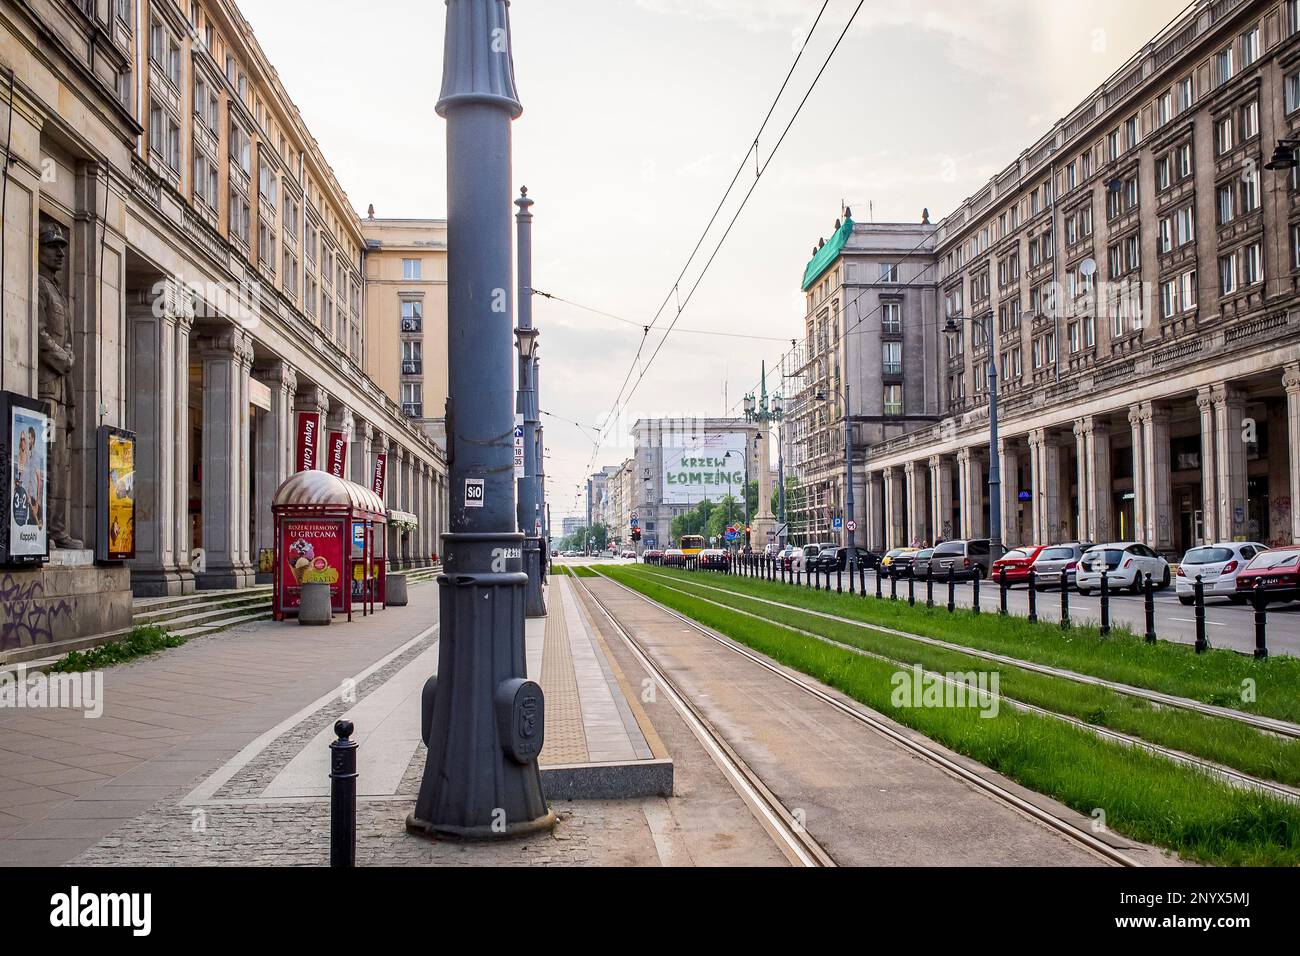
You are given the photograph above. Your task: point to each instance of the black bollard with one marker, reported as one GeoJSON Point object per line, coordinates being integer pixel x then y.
{"type": "Point", "coordinates": [1065, 602]}
{"type": "Point", "coordinates": [879, 583]}
{"type": "Point", "coordinates": [1105, 603]}
{"type": "Point", "coordinates": [929, 585]}
{"type": "Point", "coordinates": [343, 796]}
{"type": "Point", "coordinates": [911, 589]}
{"type": "Point", "coordinates": [1261, 622]}
{"type": "Point", "coordinates": [1002, 587]}
{"type": "Point", "coordinates": [862, 579]}
{"type": "Point", "coordinates": [850, 579]}
{"type": "Point", "coordinates": [893, 583]}
{"type": "Point", "coordinates": [975, 592]}
{"type": "Point", "coordinates": [839, 581]}
{"type": "Point", "coordinates": [1033, 596]}
{"type": "Point", "coordinates": [1202, 643]}
{"type": "Point", "coordinates": [1149, 599]}
{"type": "Point", "coordinates": [952, 589]}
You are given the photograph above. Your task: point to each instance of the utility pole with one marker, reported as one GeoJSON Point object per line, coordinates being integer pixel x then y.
{"type": "Point", "coordinates": [528, 509]}
{"type": "Point", "coordinates": [482, 719]}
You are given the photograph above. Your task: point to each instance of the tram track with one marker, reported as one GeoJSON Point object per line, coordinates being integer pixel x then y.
{"type": "Point", "coordinates": [1225, 773]}
{"type": "Point", "coordinates": [1270, 725]}
{"type": "Point", "coordinates": [778, 819]}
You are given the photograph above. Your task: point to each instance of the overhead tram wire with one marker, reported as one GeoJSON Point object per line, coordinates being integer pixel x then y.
{"type": "Point", "coordinates": [744, 162]}
{"type": "Point", "coordinates": [645, 328]}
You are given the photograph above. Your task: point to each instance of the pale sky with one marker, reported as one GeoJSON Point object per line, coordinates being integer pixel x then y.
{"type": "Point", "coordinates": [636, 115]}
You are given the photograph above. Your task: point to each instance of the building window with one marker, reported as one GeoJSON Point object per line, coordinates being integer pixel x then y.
{"type": "Point", "coordinates": [1187, 290]}
{"type": "Point", "coordinates": [1250, 46]}
{"type": "Point", "coordinates": [1164, 108]}
{"type": "Point", "coordinates": [1227, 275]}
{"type": "Point", "coordinates": [889, 273]}
{"type": "Point", "coordinates": [1223, 65]}
{"type": "Point", "coordinates": [1169, 298]}
{"type": "Point", "coordinates": [1292, 87]}
{"type": "Point", "coordinates": [1223, 136]}
{"type": "Point", "coordinates": [893, 399]}
{"type": "Point", "coordinates": [891, 358]}
{"type": "Point", "coordinates": [1249, 194]}
{"type": "Point", "coordinates": [1295, 242]}
{"type": "Point", "coordinates": [1164, 171]}
{"type": "Point", "coordinates": [241, 148]}
{"type": "Point", "coordinates": [1186, 94]}
{"type": "Point", "coordinates": [1185, 226]}
{"type": "Point", "coordinates": [1112, 146]}
{"type": "Point", "coordinates": [1250, 120]}
{"type": "Point", "coordinates": [891, 318]}
{"type": "Point", "coordinates": [1225, 204]}
{"type": "Point", "coordinates": [1131, 133]}
{"type": "Point", "coordinates": [240, 215]}
{"type": "Point", "coordinates": [1252, 264]}
{"type": "Point", "coordinates": [1183, 158]}
{"type": "Point", "coordinates": [412, 268]}
{"type": "Point", "coordinates": [412, 316]}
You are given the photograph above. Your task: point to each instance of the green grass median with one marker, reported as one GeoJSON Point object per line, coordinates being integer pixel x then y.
{"type": "Point", "coordinates": [1217, 739]}
{"type": "Point", "coordinates": [1142, 795]}
{"type": "Point", "coordinates": [1224, 678]}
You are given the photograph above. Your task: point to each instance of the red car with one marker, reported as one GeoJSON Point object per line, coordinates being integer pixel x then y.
{"type": "Point", "coordinates": [1018, 562]}
{"type": "Point", "coordinates": [1279, 572]}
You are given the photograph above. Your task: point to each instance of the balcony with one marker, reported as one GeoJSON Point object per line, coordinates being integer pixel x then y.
{"type": "Point", "coordinates": [413, 409]}
{"type": "Point", "coordinates": [412, 367]}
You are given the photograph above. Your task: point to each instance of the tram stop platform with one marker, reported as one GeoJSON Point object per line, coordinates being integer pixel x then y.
{"type": "Point", "coordinates": [599, 743]}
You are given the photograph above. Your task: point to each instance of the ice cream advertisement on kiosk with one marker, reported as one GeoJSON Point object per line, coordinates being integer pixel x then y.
{"type": "Point", "coordinates": [313, 552]}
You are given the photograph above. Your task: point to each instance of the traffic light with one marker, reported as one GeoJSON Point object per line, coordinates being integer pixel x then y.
{"type": "Point", "coordinates": [636, 534]}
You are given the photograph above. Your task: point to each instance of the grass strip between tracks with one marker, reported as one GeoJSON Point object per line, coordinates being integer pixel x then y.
{"type": "Point", "coordinates": [1218, 739]}
{"type": "Point", "coordinates": [1142, 795]}
{"type": "Point", "coordinates": [1218, 677]}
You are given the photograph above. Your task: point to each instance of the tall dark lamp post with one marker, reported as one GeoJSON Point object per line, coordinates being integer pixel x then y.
{"type": "Point", "coordinates": [528, 508]}
{"type": "Point", "coordinates": [995, 467]}
{"type": "Point", "coordinates": [758, 411]}
{"type": "Point", "coordinates": [483, 720]}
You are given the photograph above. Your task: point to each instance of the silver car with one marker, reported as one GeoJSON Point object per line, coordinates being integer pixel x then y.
{"type": "Point", "coordinates": [1057, 558]}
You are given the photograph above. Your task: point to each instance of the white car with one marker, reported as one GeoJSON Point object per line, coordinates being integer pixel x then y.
{"type": "Point", "coordinates": [1126, 563]}
{"type": "Point", "coordinates": [630, 554]}
{"type": "Point", "coordinates": [1217, 566]}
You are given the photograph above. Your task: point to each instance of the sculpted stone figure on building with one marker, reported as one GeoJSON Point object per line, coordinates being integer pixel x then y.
{"type": "Point", "coordinates": [57, 359]}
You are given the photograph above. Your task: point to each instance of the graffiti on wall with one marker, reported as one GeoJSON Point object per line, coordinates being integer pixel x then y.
{"type": "Point", "coordinates": [27, 616]}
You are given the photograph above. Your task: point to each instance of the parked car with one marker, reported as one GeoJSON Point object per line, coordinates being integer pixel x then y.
{"type": "Point", "coordinates": [653, 556]}
{"type": "Point", "coordinates": [630, 554]}
{"type": "Point", "coordinates": [796, 560]}
{"type": "Point", "coordinates": [771, 549]}
{"type": "Point", "coordinates": [1054, 559]}
{"type": "Point", "coordinates": [921, 563]}
{"type": "Point", "coordinates": [810, 552]}
{"type": "Point", "coordinates": [675, 558]}
{"type": "Point", "coordinates": [783, 558]}
{"type": "Point", "coordinates": [899, 561]}
{"type": "Point", "coordinates": [1217, 565]}
{"type": "Point", "coordinates": [715, 559]}
{"type": "Point", "coordinates": [1278, 569]}
{"type": "Point", "coordinates": [967, 559]}
{"type": "Point", "coordinates": [1018, 562]}
{"type": "Point", "coordinates": [1126, 564]}
{"type": "Point", "coordinates": [830, 560]}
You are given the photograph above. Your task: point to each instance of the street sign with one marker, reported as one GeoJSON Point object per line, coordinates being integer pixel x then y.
{"type": "Point", "coordinates": [519, 451]}
{"type": "Point", "coordinates": [853, 526]}
{"type": "Point", "coordinates": [837, 523]}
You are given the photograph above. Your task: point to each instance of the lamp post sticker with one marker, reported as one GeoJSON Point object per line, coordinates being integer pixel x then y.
{"type": "Point", "coordinates": [473, 492]}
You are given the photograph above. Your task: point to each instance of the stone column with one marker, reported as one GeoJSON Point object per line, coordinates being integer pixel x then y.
{"type": "Point", "coordinates": [1230, 461]}
{"type": "Point", "coordinates": [227, 358]}
{"type": "Point", "coordinates": [1045, 482]}
{"type": "Point", "coordinates": [1291, 382]}
{"type": "Point", "coordinates": [1209, 471]}
{"type": "Point", "coordinates": [875, 512]}
{"type": "Point", "coordinates": [1092, 444]}
{"type": "Point", "coordinates": [184, 529]}
{"type": "Point", "coordinates": [1010, 458]}
{"type": "Point", "coordinates": [152, 340]}
{"type": "Point", "coordinates": [1139, 474]}
{"type": "Point", "coordinates": [918, 502]}
{"type": "Point", "coordinates": [363, 434]}
{"type": "Point", "coordinates": [274, 452]}
{"type": "Point", "coordinates": [1158, 491]}
{"type": "Point", "coordinates": [895, 528]}
{"type": "Point", "coordinates": [941, 497]}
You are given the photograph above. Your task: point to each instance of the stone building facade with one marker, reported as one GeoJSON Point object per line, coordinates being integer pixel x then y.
{"type": "Point", "coordinates": [1141, 269]}
{"type": "Point", "coordinates": [215, 278]}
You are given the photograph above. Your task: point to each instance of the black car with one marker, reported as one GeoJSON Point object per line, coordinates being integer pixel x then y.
{"type": "Point", "coordinates": [837, 559]}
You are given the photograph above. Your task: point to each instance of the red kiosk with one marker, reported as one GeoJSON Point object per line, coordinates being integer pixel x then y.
{"type": "Point", "coordinates": [329, 531]}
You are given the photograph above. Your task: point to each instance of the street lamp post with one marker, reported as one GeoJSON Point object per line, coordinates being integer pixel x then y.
{"type": "Point", "coordinates": [528, 509]}
{"type": "Point", "coordinates": [760, 412]}
{"type": "Point", "coordinates": [995, 467]}
{"type": "Point", "coordinates": [482, 719]}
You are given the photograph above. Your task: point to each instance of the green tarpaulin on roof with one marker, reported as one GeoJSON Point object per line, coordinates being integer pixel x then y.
{"type": "Point", "coordinates": [827, 254]}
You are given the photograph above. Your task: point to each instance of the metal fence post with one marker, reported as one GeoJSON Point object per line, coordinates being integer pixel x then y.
{"type": "Point", "coordinates": [1261, 622]}
{"type": "Point", "coordinates": [1202, 643]}
{"type": "Point", "coordinates": [929, 585]}
{"type": "Point", "coordinates": [893, 583]}
{"type": "Point", "coordinates": [1033, 597]}
{"type": "Point", "coordinates": [1065, 601]}
{"type": "Point", "coordinates": [343, 796]}
{"type": "Point", "coordinates": [1105, 603]}
{"type": "Point", "coordinates": [1002, 587]}
{"type": "Point", "coordinates": [911, 588]}
{"type": "Point", "coordinates": [879, 584]}
{"type": "Point", "coordinates": [975, 592]}
{"type": "Point", "coordinates": [1149, 599]}
{"type": "Point", "coordinates": [952, 589]}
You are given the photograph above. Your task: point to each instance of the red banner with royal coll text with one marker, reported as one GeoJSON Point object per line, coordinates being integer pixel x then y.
{"type": "Point", "coordinates": [338, 454]}
{"type": "Point", "coordinates": [308, 446]}
{"type": "Point", "coordinates": [381, 471]}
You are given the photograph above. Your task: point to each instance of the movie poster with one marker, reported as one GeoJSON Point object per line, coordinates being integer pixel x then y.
{"type": "Point", "coordinates": [116, 495]}
{"type": "Point", "coordinates": [28, 483]}
{"type": "Point", "coordinates": [313, 551]}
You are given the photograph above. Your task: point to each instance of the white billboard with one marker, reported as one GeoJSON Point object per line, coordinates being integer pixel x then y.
{"type": "Point", "coordinates": [696, 467]}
